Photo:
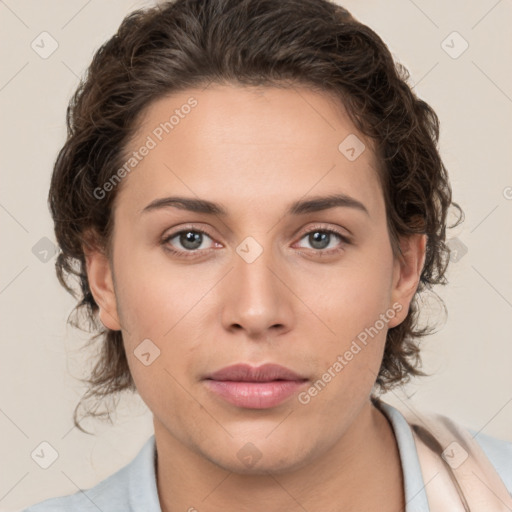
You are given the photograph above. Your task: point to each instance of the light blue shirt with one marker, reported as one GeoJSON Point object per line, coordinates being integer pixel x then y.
{"type": "Point", "coordinates": [133, 487]}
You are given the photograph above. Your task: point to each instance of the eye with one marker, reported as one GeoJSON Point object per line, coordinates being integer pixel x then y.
{"type": "Point", "coordinates": [188, 240]}
{"type": "Point", "coordinates": [324, 240]}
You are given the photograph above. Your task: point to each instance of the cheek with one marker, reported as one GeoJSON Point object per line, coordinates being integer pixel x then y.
{"type": "Point", "coordinates": [354, 303]}
{"type": "Point", "coordinates": [348, 361]}
{"type": "Point", "coordinates": [353, 295]}
{"type": "Point", "coordinates": [154, 294]}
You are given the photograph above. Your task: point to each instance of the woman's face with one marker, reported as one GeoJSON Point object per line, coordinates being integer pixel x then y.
{"type": "Point", "coordinates": [275, 275]}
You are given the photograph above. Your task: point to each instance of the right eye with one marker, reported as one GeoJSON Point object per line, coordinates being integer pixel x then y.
{"type": "Point", "coordinates": [188, 242]}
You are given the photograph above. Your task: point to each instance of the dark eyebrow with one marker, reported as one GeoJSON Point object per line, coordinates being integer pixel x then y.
{"type": "Point", "coordinates": [318, 203]}
{"type": "Point", "coordinates": [186, 203]}
{"type": "Point", "coordinates": [314, 204]}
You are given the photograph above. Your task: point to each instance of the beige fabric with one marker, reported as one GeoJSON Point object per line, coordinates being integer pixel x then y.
{"type": "Point", "coordinates": [458, 475]}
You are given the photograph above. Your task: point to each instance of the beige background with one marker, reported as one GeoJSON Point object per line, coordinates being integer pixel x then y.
{"type": "Point", "coordinates": [470, 357]}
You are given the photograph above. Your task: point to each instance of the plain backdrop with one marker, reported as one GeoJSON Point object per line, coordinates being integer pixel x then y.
{"type": "Point", "coordinates": [470, 356]}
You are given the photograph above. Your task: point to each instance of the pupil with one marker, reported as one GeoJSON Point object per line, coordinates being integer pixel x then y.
{"type": "Point", "coordinates": [319, 240]}
{"type": "Point", "coordinates": [191, 240]}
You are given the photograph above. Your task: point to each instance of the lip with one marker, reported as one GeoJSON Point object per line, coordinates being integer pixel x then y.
{"type": "Point", "coordinates": [247, 373]}
{"type": "Point", "coordinates": [251, 387]}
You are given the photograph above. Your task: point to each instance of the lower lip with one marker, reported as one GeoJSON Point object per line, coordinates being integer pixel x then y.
{"type": "Point", "coordinates": [255, 395]}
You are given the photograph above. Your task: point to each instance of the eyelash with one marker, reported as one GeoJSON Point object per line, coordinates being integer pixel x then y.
{"type": "Point", "coordinates": [194, 253]}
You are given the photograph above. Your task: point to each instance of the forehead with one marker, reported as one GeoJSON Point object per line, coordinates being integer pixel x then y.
{"type": "Point", "coordinates": [248, 145]}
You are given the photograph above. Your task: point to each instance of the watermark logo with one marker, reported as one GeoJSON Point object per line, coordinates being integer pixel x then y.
{"type": "Point", "coordinates": [457, 249]}
{"type": "Point", "coordinates": [44, 250]}
{"type": "Point", "coordinates": [249, 249]}
{"type": "Point", "coordinates": [249, 455]}
{"type": "Point", "coordinates": [454, 45]}
{"type": "Point", "coordinates": [44, 45]}
{"type": "Point", "coordinates": [146, 352]}
{"type": "Point", "coordinates": [351, 147]}
{"type": "Point", "coordinates": [454, 455]}
{"type": "Point", "coordinates": [44, 455]}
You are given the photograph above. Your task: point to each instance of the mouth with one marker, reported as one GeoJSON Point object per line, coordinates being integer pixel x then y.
{"type": "Point", "coordinates": [250, 387]}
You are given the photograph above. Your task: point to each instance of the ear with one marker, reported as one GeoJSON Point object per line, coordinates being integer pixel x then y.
{"type": "Point", "coordinates": [101, 283]}
{"type": "Point", "coordinates": [406, 274]}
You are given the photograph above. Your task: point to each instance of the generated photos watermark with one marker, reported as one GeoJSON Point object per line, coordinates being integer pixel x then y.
{"type": "Point", "coordinates": [342, 360]}
{"type": "Point", "coordinates": [151, 142]}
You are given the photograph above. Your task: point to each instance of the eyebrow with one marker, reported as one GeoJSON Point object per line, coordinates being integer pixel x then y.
{"type": "Point", "coordinates": [314, 204]}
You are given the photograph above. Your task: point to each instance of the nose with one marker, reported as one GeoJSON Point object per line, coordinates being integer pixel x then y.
{"type": "Point", "coordinates": [257, 298]}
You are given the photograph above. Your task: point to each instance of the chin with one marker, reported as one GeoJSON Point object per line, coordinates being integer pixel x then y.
{"type": "Point", "coordinates": [261, 457]}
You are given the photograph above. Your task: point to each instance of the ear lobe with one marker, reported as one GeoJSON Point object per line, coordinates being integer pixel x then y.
{"type": "Point", "coordinates": [407, 272]}
{"type": "Point", "coordinates": [101, 284]}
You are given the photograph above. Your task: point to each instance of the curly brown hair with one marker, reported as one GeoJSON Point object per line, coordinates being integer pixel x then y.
{"type": "Point", "coordinates": [186, 44]}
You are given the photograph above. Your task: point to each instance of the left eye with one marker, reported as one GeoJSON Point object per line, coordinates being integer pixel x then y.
{"type": "Point", "coordinates": [321, 239]}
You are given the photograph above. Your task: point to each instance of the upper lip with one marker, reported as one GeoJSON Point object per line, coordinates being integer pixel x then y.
{"type": "Point", "coordinates": [247, 373]}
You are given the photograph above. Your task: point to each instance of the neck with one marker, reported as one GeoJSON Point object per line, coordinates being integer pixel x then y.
{"type": "Point", "coordinates": [361, 472]}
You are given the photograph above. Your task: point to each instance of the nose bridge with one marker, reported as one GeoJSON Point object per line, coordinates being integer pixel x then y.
{"type": "Point", "coordinates": [256, 299]}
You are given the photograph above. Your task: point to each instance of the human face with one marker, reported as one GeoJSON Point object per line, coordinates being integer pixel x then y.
{"type": "Point", "coordinates": [252, 286]}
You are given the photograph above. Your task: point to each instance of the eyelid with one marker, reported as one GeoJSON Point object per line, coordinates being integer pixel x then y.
{"type": "Point", "coordinates": [328, 228]}
{"type": "Point", "coordinates": [172, 232]}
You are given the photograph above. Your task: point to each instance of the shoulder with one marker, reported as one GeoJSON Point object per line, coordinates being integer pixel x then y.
{"type": "Point", "coordinates": [81, 501]}
{"type": "Point", "coordinates": [499, 452]}
{"type": "Point", "coordinates": [123, 491]}
{"type": "Point", "coordinates": [105, 493]}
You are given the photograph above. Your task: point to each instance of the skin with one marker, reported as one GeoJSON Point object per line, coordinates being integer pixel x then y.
{"type": "Point", "coordinates": [255, 151]}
